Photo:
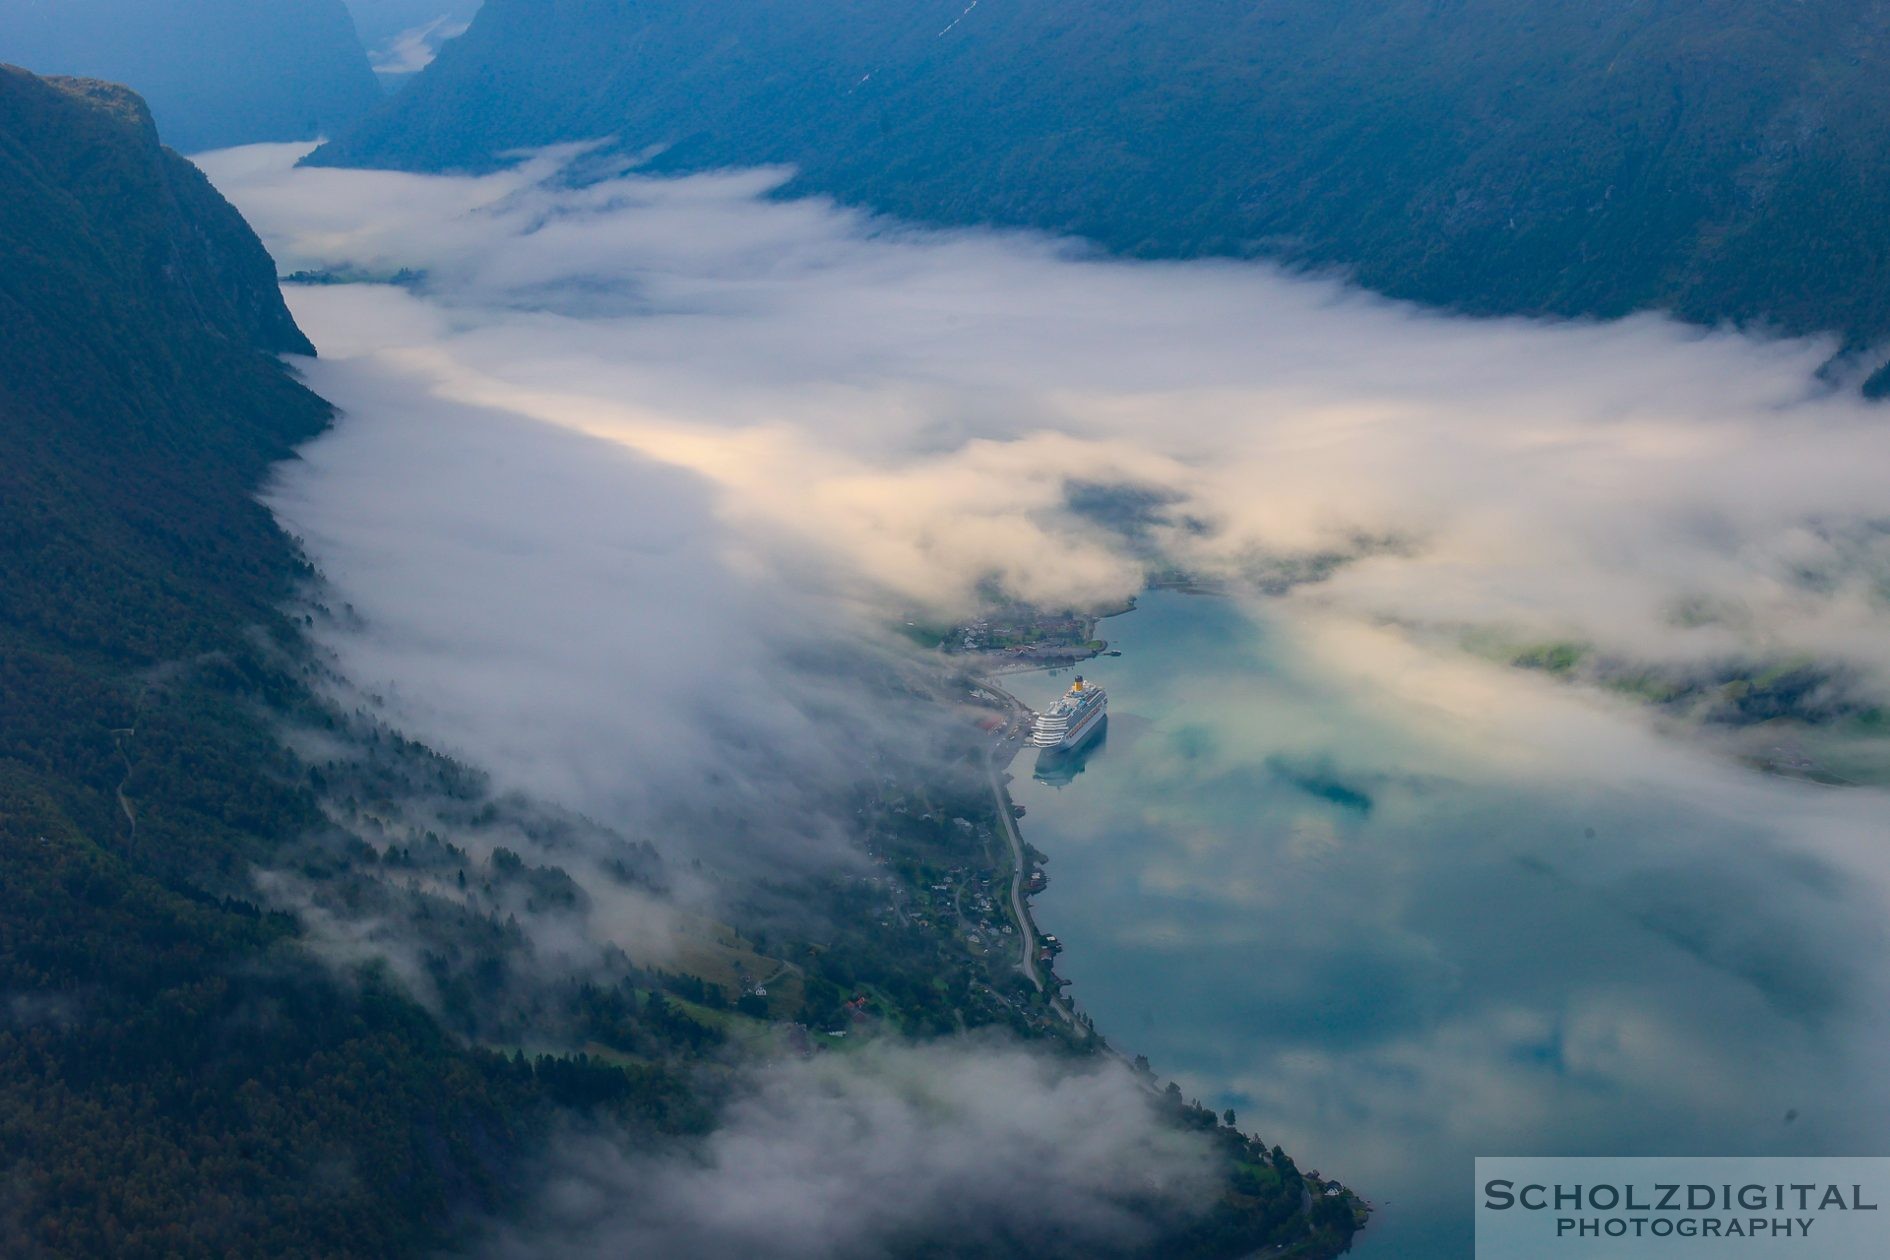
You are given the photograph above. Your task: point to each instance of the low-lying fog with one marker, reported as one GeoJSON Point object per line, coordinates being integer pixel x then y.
{"type": "Point", "coordinates": [624, 466]}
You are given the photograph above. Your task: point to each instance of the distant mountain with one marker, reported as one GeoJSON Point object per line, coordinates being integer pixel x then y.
{"type": "Point", "coordinates": [381, 20]}
{"type": "Point", "coordinates": [1722, 159]}
{"type": "Point", "coordinates": [216, 72]}
{"type": "Point", "coordinates": [402, 36]}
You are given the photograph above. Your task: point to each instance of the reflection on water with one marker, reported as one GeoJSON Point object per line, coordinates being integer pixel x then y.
{"type": "Point", "coordinates": [1059, 767]}
{"type": "Point", "coordinates": [1398, 920]}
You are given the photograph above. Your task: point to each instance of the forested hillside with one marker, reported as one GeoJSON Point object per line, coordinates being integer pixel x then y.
{"type": "Point", "coordinates": [176, 1077]}
{"type": "Point", "coordinates": [216, 72]}
{"type": "Point", "coordinates": [1720, 159]}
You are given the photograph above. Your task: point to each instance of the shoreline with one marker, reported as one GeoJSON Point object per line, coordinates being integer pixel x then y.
{"type": "Point", "coordinates": [997, 761]}
{"type": "Point", "coordinates": [998, 757]}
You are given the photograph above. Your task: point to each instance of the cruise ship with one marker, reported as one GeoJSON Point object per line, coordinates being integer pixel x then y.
{"type": "Point", "coordinates": [1070, 723]}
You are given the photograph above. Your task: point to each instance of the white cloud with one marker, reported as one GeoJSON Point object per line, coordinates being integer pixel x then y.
{"type": "Point", "coordinates": [849, 1157]}
{"type": "Point", "coordinates": [414, 49]}
{"type": "Point", "coordinates": [915, 404]}
{"type": "Point", "coordinates": [568, 614]}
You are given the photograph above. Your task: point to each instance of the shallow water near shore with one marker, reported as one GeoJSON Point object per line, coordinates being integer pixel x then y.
{"type": "Point", "coordinates": [1399, 911]}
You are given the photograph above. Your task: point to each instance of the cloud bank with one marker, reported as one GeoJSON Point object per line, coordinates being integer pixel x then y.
{"type": "Point", "coordinates": [863, 1156]}
{"type": "Point", "coordinates": [635, 473]}
{"type": "Point", "coordinates": [569, 615]}
{"type": "Point", "coordinates": [919, 407]}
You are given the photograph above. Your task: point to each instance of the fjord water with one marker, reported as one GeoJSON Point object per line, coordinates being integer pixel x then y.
{"type": "Point", "coordinates": [1402, 915]}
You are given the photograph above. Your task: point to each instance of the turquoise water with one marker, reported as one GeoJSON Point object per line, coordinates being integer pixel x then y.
{"type": "Point", "coordinates": [1394, 935]}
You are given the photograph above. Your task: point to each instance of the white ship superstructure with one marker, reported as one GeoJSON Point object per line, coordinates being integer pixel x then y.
{"type": "Point", "coordinates": [1070, 722]}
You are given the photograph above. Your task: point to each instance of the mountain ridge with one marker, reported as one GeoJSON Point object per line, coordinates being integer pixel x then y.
{"type": "Point", "coordinates": [1563, 159]}
{"type": "Point", "coordinates": [176, 1072]}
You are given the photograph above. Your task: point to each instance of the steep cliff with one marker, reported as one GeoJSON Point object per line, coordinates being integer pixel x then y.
{"type": "Point", "coordinates": [176, 1076]}
{"type": "Point", "coordinates": [216, 72]}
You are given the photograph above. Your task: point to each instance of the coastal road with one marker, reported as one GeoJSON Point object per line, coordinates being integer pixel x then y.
{"type": "Point", "coordinates": [1026, 930]}
{"type": "Point", "coordinates": [997, 759]}
{"type": "Point", "coordinates": [996, 762]}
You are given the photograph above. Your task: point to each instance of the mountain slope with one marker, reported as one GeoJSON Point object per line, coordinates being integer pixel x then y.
{"type": "Point", "coordinates": [138, 307]}
{"type": "Point", "coordinates": [1721, 159]}
{"type": "Point", "coordinates": [176, 1076]}
{"type": "Point", "coordinates": [216, 72]}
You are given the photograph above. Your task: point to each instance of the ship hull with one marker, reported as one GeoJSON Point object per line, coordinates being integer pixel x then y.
{"type": "Point", "coordinates": [1059, 768]}
{"type": "Point", "coordinates": [1079, 736]}
{"type": "Point", "coordinates": [1073, 721]}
